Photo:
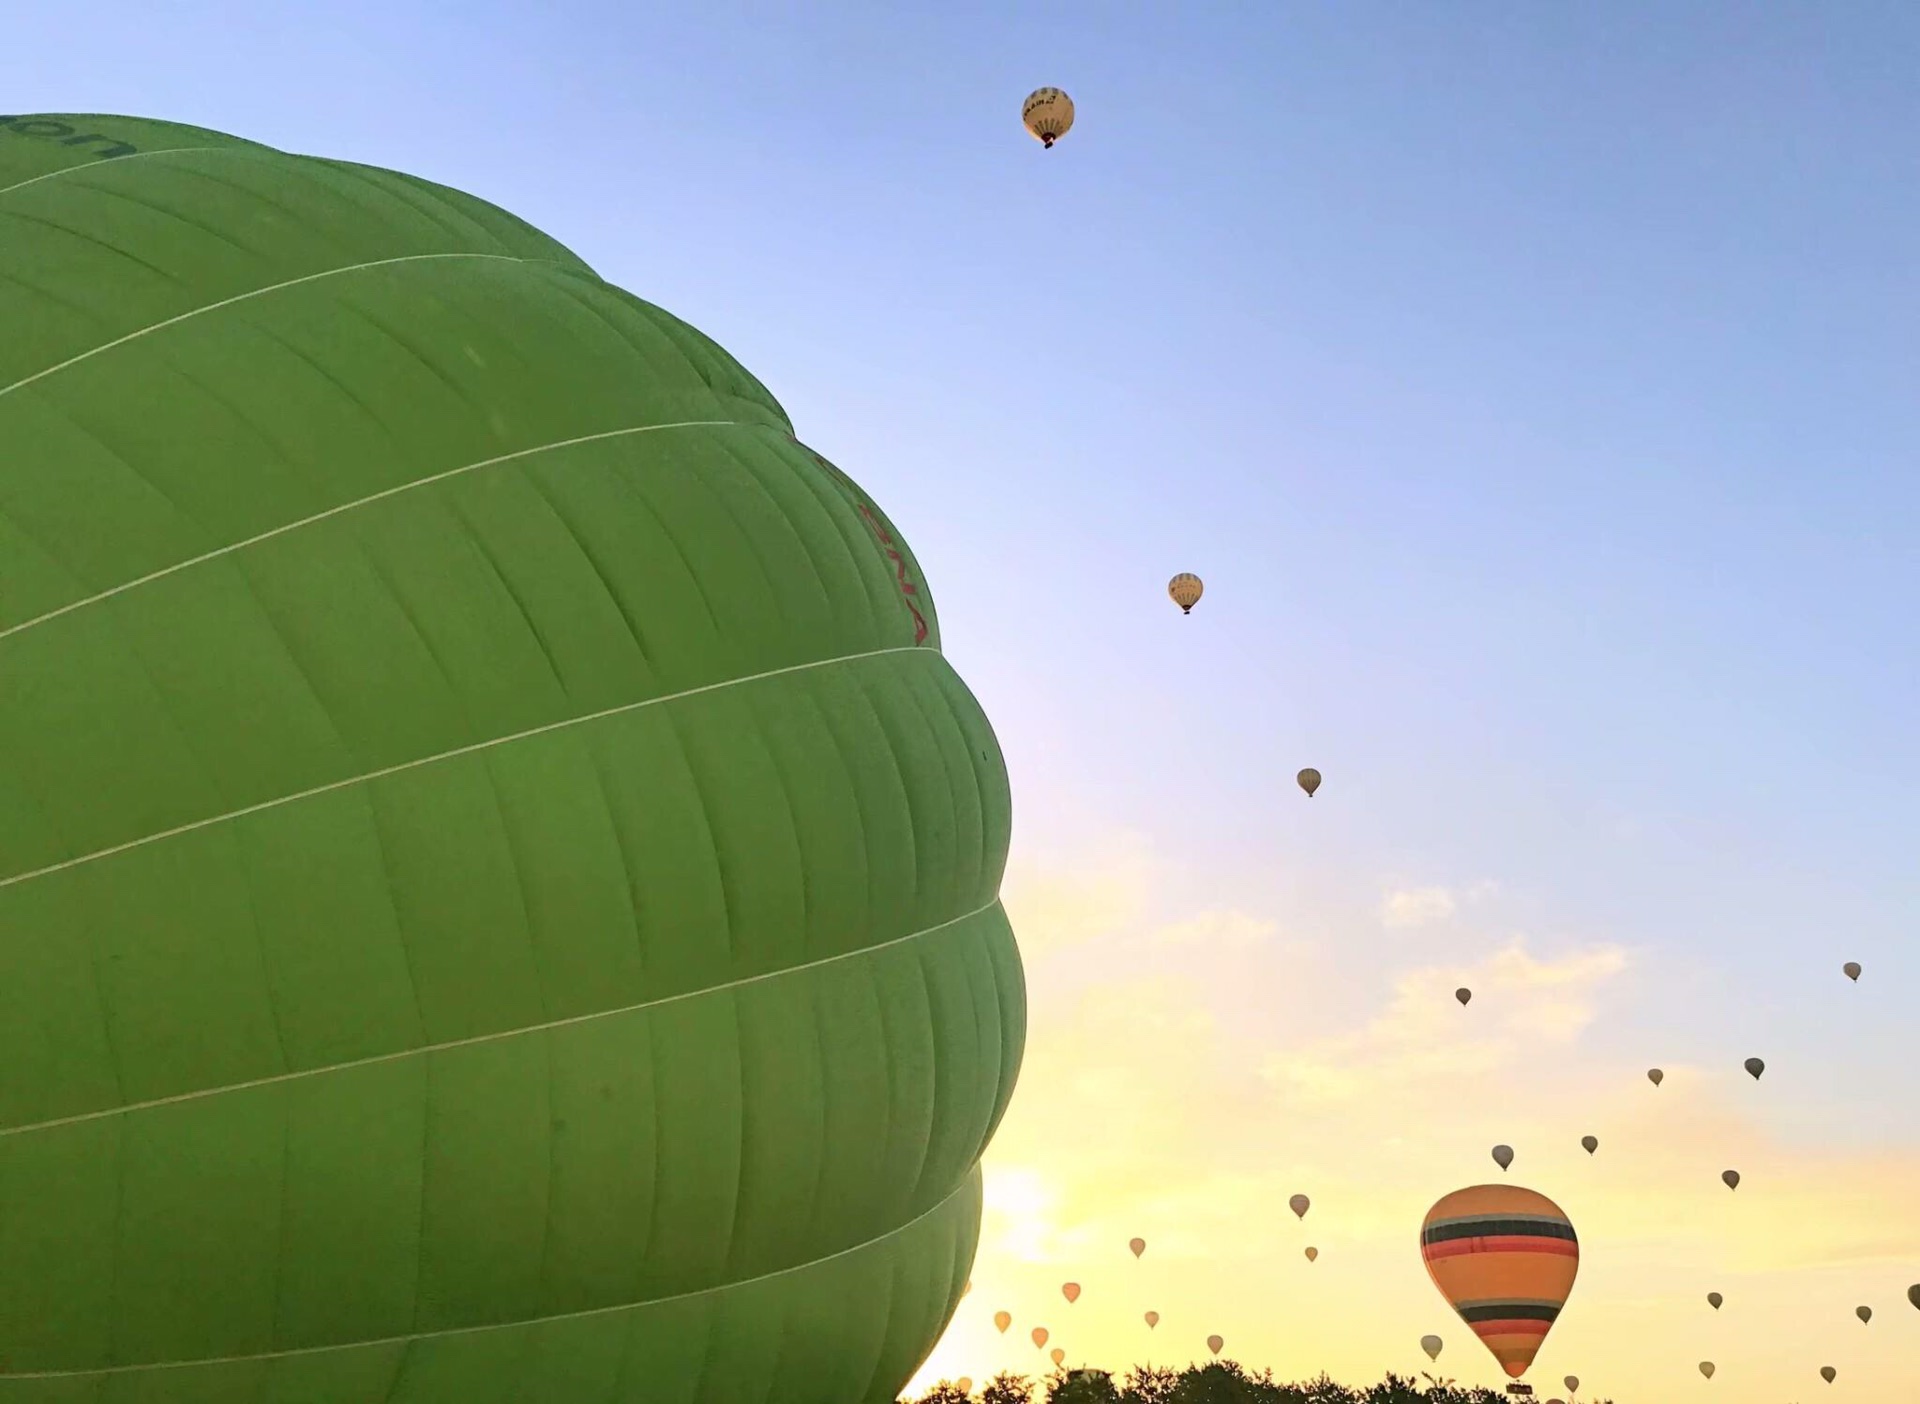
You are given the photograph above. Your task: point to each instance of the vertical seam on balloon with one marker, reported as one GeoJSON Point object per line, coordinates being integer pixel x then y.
{"type": "Point", "coordinates": [485, 553]}
{"type": "Point", "coordinates": [352, 780]}
{"type": "Point", "coordinates": [635, 911]}
{"type": "Point", "coordinates": [335, 511]}
{"type": "Point", "coordinates": [966, 1183]}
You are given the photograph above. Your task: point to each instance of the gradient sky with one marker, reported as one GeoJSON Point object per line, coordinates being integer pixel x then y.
{"type": "Point", "coordinates": [1534, 387]}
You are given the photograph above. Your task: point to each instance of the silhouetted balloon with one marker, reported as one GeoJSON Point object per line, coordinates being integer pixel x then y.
{"type": "Point", "coordinates": [1827, 1372]}
{"type": "Point", "coordinates": [1138, 1245]}
{"type": "Point", "coordinates": [1505, 1258]}
{"type": "Point", "coordinates": [1865, 1313]}
{"type": "Point", "coordinates": [1731, 1178]}
{"type": "Point", "coordinates": [1214, 1343]}
{"type": "Point", "coordinates": [1463, 994]}
{"type": "Point", "coordinates": [1309, 780]}
{"type": "Point", "coordinates": [1431, 1345]}
{"type": "Point", "coordinates": [1655, 1076]}
{"type": "Point", "coordinates": [1300, 1204]}
{"type": "Point", "coordinates": [1312, 1253]}
{"type": "Point", "coordinates": [1002, 1320]}
{"type": "Point", "coordinates": [1913, 1295]}
{"type": "Point", "coordinates": [1152, 1319]}
{"type": "Point", "coordinates": [1572, 1382]}
{"type": "Point", "coordinates": [1039, 1336]}
{"type": "Point", "coordinates": [966, 1384]}
{"type": "Point", "coordinates": [1851, 970]}
{"type": "Point", "coordinates": [1047, 114]}
{"type": "Point", "coordinates": [1756, 1067]}
{"type": "Point", "coordinates": [1706, 1368]}
{"type": "Point", "coordinates": [1591, 1143]}
{"type": "Point", "coordinates": [1186, 591]}
{"type": "Point", "coordinates": [1714, 1299]}
{"type": "Point", "coordinates": [1071, 1291]}
{"type": "Point", "coordinates": [1503, 1156]}
{"type": "Point", "coordinates": [1057, 1355]}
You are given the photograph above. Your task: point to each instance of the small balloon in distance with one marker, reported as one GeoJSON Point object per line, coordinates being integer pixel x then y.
{"type": "Point", "coordinates": [1865, 1313]}
{"type": "Point", "coordinates": [1002, 1320]}
{"type": "Point", "coordinates": [1827, 1372]}
{"type": "Point", "coordinates": [1706, 1368]}
{"type": "Point", "coordinates": [1655, 1076]}
{"type": "Point", "coordinates": [1137, 1246]}
{"type": "Point", "coordinates": [1851, 970]}
{"type": "Point", "coordinates": [1590, 1143]}
{"type": "Point", "coordinates": [1431, 1345]}
{"type": "Point", "coordinates": [1309, 780]}
{"type": "Point", "coordinates": [1300, 1204]}
{"type": "Point", "coordinates": [1312, 1253]}
{"type": "Point", "coordinates": [1039, 1336]}
{"type": "Point", "coordinates": [1572, 1382]}
{"type": "Point", "coordinates": [1730, 1178]}
{"type": "Point", "coordinates": [1214, 1343]}
{"type": "Point", "coordinates": [1071, 1291]}
{"type": "Point", "coordinates": [1057, 1355]}
{"type": "Point", "coordinates": [1152, 1319]}
{"type": "Point", "coordinates": [1756, 1067]}
{"type": "Point", "coordinates": [1463, 994]}
{"type": "Point", "coordinates": [1185, 590]}
{"type": "Point", "coordinates": [1503, 1156]}
{"type": "Point", "coordinates": [1047, 114]}
{"type": "Point", "coordinates": [1714, 1299]}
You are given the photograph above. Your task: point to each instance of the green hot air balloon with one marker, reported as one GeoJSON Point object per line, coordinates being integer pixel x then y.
{"type": "Point", "coordinates": [498, 883]}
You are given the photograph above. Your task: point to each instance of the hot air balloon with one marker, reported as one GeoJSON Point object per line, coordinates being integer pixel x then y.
{"type": "Point", "coordinates": [1756, 1067]}
{"type": "Point", "coordinates": [479, 745]}
{"type": "Point", "coordinates": [1865, 1313]}
{"type": "Point", "coordinates": [1309, 780]}
{"type": "Point", "coordinates": [1056, 1355]}
{"type": "Point", "coordinates": [965, 1382]}
{"type": "Point", "coordinates": [1299, 1204]}
{"type": "Point", "coordinates": [1714, 1299]}
{"type": "Point", "coordinates": [1431, 1345]}
{"type": "Point", "coordinates": [1505, 1259]}
{"type": "Point", "coordinates": [1186, 591]}
{"type": "Point", "coordinates": [1706, 1368]}
{"type": "Point", "coordinates": [1138, 1245]}
{"type": "Point", "coordinates": [1655, 1076]}
{"type": "Point", "coordinates": [1827, 1372]}
{"type": "Point", "coordinates": [1572, 1382]}
{"type": "Point", "coordinates": [1590, 1143]}
{"type": "Point", "coordinates": [1071, 1291]}
{"type": "Point", "coordinates": [1913, 1295]}
{"type": "Point", "coordinates": [1312, 1253]}
{"type": "Point", "coordinates": [1214, 1343]}
{"type": "Point", "coordinates": [1039, 1337]}
{"type": "Point", "coordinates": [1152, 1319]}
{"type": "Point", "coordinates": [1851, 970]}
{"type": "Point", "coordinates": [1002, 1320]}
{"type": "Point", "coordinates": [1463, 994]}
{"type": "Point", "coordinates": [1503, 1156]}
{"type": "Point", "coordinates": [1731, 1178]}
{"type": "Point", "coordinates": [1047, 114]}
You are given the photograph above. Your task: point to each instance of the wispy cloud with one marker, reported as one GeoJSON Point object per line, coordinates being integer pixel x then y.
{"type": "Point", "coordinates": [1419, 906]}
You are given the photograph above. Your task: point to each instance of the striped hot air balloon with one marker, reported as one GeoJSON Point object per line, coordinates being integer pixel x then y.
{"type": "Point", "coordinates": [1505, 1260]}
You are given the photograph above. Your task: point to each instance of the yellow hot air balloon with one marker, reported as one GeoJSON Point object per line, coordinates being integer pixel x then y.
{"type": "Point", "coordinates": [1309, 780]}
{"type": "Point", "coordinates": [1186, 591]}
{"type": "Point", "coordinates": [1714, 1299]}
{"type": "Point", "coordinates": [1152, 1319]}
{"type": "Point", "coordinates": [1851, 970]}
{"type": "Point", "coordinates": [1463, 994]}
{"type": "Point", "coordinates": [1503, 1156]}
{"type": "Point", "coordinates": [1505, 1259]}
{"type": "Point", "coordinates": [1138, 1245]}
{"type": "Point", "coordinates": [1214, 1343]}
{"type": "Point", "coordinates": [1865, 1313]}
{"type": "Point", "coordinates": [1002, 1320]}
{"type": "Point", "coordinates": [1655, 1076]}
{"type": "Point", "coordinates": [1731, 1178]}
{"type": "Point", "coordinates": [1071, 1291]}
{"type": "Point", "coordinates": [1827, 1372]}
{"type": "Point", "coordinates": [1590, 1144]}
{"type": "Point", "coordinates": [1706, 1368]}
{"type": "Point", "coordinates": [1300, 1204]}
{"type": "Point", "coordinates": [1431, 1345]}
{"type": "Point", "coordinates": [1057, 1355]}
{"type": "Point", "coordinates": [966, 1384]}
{"type": "Point", "coordinates": [1039, 1336]}
{"type": "Point", "coordinates": [1047, 114]}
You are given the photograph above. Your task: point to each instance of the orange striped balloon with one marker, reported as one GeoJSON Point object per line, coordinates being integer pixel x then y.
{"type": "Point", "coordinates": [1505, 1259]}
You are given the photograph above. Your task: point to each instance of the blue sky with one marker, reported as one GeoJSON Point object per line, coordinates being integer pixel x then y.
{"type": "Point", "coordinates": [1533, 386]}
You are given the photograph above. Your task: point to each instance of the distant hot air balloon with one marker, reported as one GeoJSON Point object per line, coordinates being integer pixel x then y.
{"type": "Point", "coordinates": [1731, 1178]}
{"type": "Point", "coordinates": [1865, 1313]}
{"type": "Point", "coordinates": [1706, 1368]}
{"type": "Point", "coordinates": [1152, 1319]}
{"type": "Point", "coordinates": [1214, 1343]}
{"type": "Point", "coordinates": [1756, 1067]}
{"type": "Point", "coordinates": [1057, 1355]}
{"type": "Point", "coordinates": [1002, 1320]}
{"type": "Point", "coordinates": [1309, 780]}
{"type": "Point", "coordinates": [1138, 1245]}
{"type": "Point", "coordinates": [1039, 1336]}
{"type": "Point", "coordinates": [1463, 994]}
{"type": "Point", "coordinates": [1913, 1295]}
{"type": "Point", "coordinates": [1312, 1253]}
{"type": "Point", "coordinates": [1655, 1076]}
{"type": "Point", "coordinates": [1503, 1156]}
{"type": "Point", "coordinates": [1300, 1204]}
{"type": "Point", "coordinates": [1505, 1259]}
{"type": "Point", "coordinates": [966, 1384]}
{"type": "Point", "coordinates": [1827, 1372]}
{"type": "Point", "coordinates": [1047, 114]}
{"type": "Point", "coordinates": [1071, 1291]}
{"type": "Point", "coordinates": [1186, 591]}
{"type": "Point", "coordinates": [1572, 1383]}
{"type": "Point", "coordinates": [1431, 1345]}
{"type": "Point", "coordinates": [1851, 970]}
{"type": "Point", "coordinates": [1714, 1299]}
{"type": "Point", "coordinates": [1590, 1143]}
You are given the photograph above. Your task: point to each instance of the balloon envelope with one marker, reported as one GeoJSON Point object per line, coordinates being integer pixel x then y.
{"type": "Point", "coordinates": [1431, 1345]}
{"type": "Point", "coordinates": [1214, 1343]}
{"type": "Point", "coordinates": [1572, 1383]}
{"type": "Point", "coordinates": [1463, 994]}
{"type": "Point", "coordinates": [1057, 1355]}
{"type": "Point", "coordinates": [1152, 1319]}
{"type": "Point", "coordinates": [1865, 1313]}
{"type": "Point", "coordinates": [1590, 1143]}
{"type": "Point", "coordinates": [1503, 1156]}
{"type": "Point", "coordinates": [510, 788]}
{"type": "Point", "coordinates": [1756, 1067]}
{"type": "Point", "coordinates": [1505, 1259]}
{"type": "Point", "coordinates": [1312, 1253]}
{"type": "Point", "coordinates": [1137, 1245]}
{"type": "Point", "coordinates": [1851, 970]}
{"type": "Point", "coordinates": [1002, 1320]}
{"type": "Point", "coordinates": [1186, 590]}
{"type": "Point", "coordinates": [1655, 1076]}
{"type": "Point", "coordinates": [1706, 1368]}
{"type": "Point", "coordinates": [1299, 1204]}
{"type": "Point", "coordinates": [1827, 1372]}
{"type": "Point", "coordinates": [1731, 1178]}
{"type": "Point", "coordinates": [1039, 1336]}
{"type": "Point", "coordinates": [1047, 114]}
{"type": "Point", "coordinates": [1071, 1291]}
{"type": "Point", "coordinates": [1309, 780]}
{"type": "Point", "coordinates": [1714, 1299]}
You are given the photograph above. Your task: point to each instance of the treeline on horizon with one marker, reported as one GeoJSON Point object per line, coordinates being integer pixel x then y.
{"type": "Point", "coordinates": [1219, 1382]}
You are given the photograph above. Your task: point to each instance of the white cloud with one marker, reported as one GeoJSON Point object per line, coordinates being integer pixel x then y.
{"type": "Point", "coordinates": [1220, 929]}
{"type": "Point", "coordinates": [1417, 906]}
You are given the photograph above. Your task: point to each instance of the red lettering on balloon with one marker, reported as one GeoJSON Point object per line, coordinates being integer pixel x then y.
{"type": "Point", "coordinates": [907, 588]}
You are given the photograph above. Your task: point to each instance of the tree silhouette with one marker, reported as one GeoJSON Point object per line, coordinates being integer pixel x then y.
{"type": "Point", "coordinates": [1217, 1382]}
